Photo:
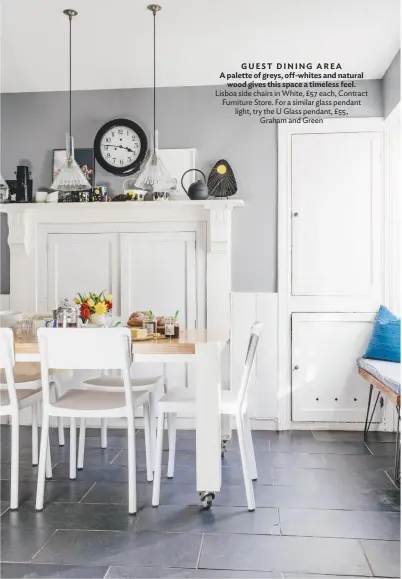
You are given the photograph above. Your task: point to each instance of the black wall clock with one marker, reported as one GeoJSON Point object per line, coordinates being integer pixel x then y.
{"type": "Point", "coordinates": [120, 147]}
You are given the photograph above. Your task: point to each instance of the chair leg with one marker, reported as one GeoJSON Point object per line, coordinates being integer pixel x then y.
{"type": "Point", "coordinates": [152, 422]}
{"type": "Point", "coordinates": [81, 445]}
{"type": "Point", "coordinates": [60, 425]}
{"type": "Point", "coordinates": [245, 463]}
{"type": "Point", "coordinates": [44, 443]}
{"type": "Point", "coordinates": [15, 460]}
{"type": "Point", "coordinates": [250, 448]}
{"type": "Point", "coordinates": [73, 449]}
{"type": "Point", "coordinates": [158, 460]}
{"type": "Point", "coordinates": [132, 475]}
{"type": "Point", "coordinates": [397, 470]}
{"type": "Point", "coordinates": [103, 433]}
{"type": "Point", "coordinates": [172, 444]}
{"type": "Point", "coordinates": [48, 460]}
{"type": "Point", "coordinates": [148, 446]}
{"type": "Point", "coordinates": [35, 440]}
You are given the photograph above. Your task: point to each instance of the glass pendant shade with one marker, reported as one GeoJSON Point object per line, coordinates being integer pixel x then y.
{"type": "Point", "coordinates": [154, 176]}
{"type": "Point", "coordinates": [70, 177]}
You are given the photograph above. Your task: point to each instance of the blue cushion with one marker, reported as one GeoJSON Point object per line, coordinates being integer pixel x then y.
{"type": "Point", "coordinates": [385, 341]}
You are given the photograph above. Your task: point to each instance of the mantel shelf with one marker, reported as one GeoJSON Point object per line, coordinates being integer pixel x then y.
{"type": "Point", "coordinates": [132, 206]}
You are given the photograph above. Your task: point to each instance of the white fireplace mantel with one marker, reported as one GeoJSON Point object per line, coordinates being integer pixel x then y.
{"type": "Point", "coordinates": [33, 228]}
{"type": "Point", "coordinates": [22, 217]}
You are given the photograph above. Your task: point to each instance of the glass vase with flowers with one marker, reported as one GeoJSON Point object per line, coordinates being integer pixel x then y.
{"type": "Point", "coordinates": [95, 308]}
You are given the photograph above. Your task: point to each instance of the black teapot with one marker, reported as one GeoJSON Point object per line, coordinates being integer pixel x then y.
{"type": "Point", "coordinates": [197, 191]}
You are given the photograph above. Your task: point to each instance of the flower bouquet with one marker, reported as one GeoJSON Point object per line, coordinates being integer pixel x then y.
{"type": "Point", "coordinates": [94, 307]}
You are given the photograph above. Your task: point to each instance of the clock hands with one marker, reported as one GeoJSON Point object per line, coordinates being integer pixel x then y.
{"type": "Point", "coordinates": [120, 147]}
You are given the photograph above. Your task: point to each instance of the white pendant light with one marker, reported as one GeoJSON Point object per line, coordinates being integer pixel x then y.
{"type": "Point", "coordinates": [70, 177]}
{"type": "Point", "coordinates": [154, 176]}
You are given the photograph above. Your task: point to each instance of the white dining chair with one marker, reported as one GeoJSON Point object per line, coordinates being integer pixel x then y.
{"type": "Point", "coordinates": [180, 400]}
{"type": "Point", "coordinates": [107, 382]}
{"type": "Point", "coordinates": [98, 349]}
{"type": "Point", "coordinates": [18, 391]}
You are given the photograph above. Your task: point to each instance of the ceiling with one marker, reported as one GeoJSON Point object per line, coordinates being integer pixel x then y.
{"type": "Point", "coordinates": [197, 40]}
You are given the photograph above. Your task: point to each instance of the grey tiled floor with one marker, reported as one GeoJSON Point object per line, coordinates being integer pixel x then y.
{"type": "Point", "coordinates": [325, 507]}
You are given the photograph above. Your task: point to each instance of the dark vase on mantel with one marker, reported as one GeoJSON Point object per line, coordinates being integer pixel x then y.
{"type": "Point", "coordinates": [23, 190]}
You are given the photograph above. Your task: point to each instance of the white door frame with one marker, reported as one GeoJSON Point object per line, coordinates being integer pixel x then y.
{"type": "Point", "coordinates": [285, 132]}
{"type": "Point", "coordinates": [391, 232]}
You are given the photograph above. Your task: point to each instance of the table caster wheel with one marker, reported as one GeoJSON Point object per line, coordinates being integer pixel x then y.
{"type": "Point", "coordinates": [206, 499]}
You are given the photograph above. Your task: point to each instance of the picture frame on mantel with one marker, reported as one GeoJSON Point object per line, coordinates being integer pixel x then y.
{"type": "Point", "coordinates": [85, 158]}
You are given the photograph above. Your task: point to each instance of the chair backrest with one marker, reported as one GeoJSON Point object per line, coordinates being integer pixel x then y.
{"type": "Point", "coordinates": [85, 349]}
{"type": "Point", "coordinates": [7, 362]}
{"type": "Point", "coordinates": [248, 364]}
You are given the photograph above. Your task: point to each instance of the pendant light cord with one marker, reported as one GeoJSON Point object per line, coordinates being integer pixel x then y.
{"type": "Point", "coordinates": [70, 72]}
{"type": "Point", "coordinates": [154, 13]}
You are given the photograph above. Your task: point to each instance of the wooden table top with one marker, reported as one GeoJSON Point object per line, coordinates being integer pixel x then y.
{"type": "Point", "coordinates": [186, 344]}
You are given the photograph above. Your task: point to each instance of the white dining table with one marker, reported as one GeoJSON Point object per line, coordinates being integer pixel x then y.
{"type": "Point", "coordinates": [204, 349]}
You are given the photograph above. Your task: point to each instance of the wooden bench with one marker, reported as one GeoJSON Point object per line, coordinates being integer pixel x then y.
{"type": "Point", "coordinates": [394, 398]}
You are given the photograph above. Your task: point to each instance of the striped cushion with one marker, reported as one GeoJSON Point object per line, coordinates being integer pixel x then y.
{"type": "Point", "coordinates": [388, 373]}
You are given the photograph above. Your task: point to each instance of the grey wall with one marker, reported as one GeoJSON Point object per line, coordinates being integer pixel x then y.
{"type": "Point", "coordinates": [33, 124]}
{"type": "Point", "coordinates": [391, 85]}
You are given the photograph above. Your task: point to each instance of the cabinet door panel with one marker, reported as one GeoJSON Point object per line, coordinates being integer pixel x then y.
{"type": "Point", "coordinates": [82, 262]}
{"type": "Point", "coordinates": [336, 207]}
{"type": "Point", "coordinates": [326, 386]}
{"type": "Point", "coordinates": [159, 274]}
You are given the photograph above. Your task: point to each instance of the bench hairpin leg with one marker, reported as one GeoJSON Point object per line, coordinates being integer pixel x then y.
{"type": "Point", "coordinates": [397, 473]}
{"type": "Point", "coordinates": [368, 422]}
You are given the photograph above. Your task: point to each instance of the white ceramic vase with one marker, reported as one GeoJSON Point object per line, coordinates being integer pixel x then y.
{"type": "Point", "coordinates": [97, 320]}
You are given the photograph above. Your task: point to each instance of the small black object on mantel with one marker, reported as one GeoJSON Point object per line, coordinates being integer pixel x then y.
{"type": "Point", "coordinates": [221, 180]}
{"type": "Point", "coordinates": [23, 195]}
{"type": "Point", "coordinates": [197, 191]}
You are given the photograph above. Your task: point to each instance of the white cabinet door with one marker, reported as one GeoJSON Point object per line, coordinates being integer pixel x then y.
{"type": "Point", "coordinates": [326, 386]}
{"type": "Point", "coordinates": [158, 273]}
{"type": "Point", "coordinates": [336, 214]}
{"type": "Point", "coordinates": [82, 262]}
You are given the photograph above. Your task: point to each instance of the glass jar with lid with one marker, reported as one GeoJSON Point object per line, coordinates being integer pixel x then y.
{"type": "Point", "coordinates": [169, 327]}
{"type": "Point", "coordinates": [67, 315]}
{"type": "Point", "coordinates": [149, 324]}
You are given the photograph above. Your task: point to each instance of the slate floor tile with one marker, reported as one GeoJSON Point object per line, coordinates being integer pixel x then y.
{"type": "Point", "coordinates": [19, 545]}
{"type": "Point", "coordinates": [231, 474]}
{"type": "Point", "coordinates": [384, 557]}
{"type": "Point", "coordinates": [382, 448]}
{"type": "Point", "coordinates": [108, 473]}
{"type": "Point", "coordinates": [343, 524]}
{"type": "Point", "coordinates": [27, 471]}
{"type": "Point", "coordinates": [121, 548]}
{"type": "Point", "coordinates": [117, 494]}
{"type": "Point", "coordinates": [55, 491]}
{"type": "Point", "coordinates": [288, 554]}
{"type": "Point", "coordinates": [216, 520]}
{"type": "Point", "coordinates": [357, 462]}
{"type": "Point", "coordinates": [113, 442]}
{"type": "Point", "coordinates": [93, 457]}
{"type": "Point", "coordinates": [295, 460]}
{"type": "Point", "coordinates": [4, 506]}
{"type": "Point", "coordinates": [71, 516]}
{"type": "Point", "coordinates": [324, 498]}
{"type": "Point", "coordinates": [314, 576]}
{"type": "Point", "coordinates": [316, 447]}
{"type": "Point", "coordinates": [352, 436]}
{"type": "Point", "coordinates": [29, 570]}
{"type": "Point", "coordinates": [163, 572]}
{"type": "Point", "coordinates": [365, 479]}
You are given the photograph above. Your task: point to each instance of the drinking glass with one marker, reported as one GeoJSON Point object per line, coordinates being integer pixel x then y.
{"type": "Point", "coordinates": [24, 329]}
